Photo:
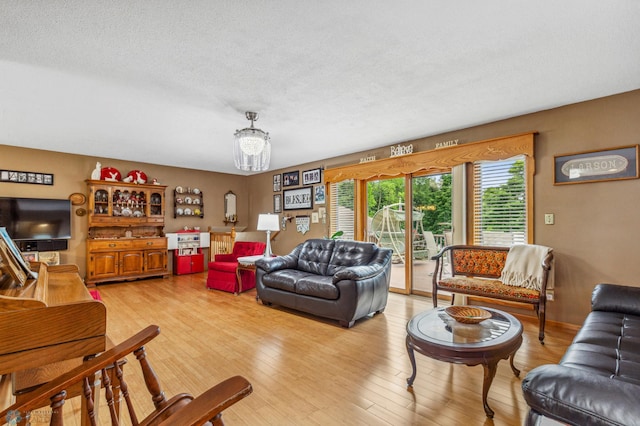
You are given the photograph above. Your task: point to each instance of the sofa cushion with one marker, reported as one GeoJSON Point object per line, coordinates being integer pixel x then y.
{"type": "Point", "coordinates": [488, 287]}
{"type": "Point", "coordinates": [248, 248]}
{"type": "Point", "coordinates": [315, 255]}
{"type": "Point", "coordinates": [284, 279]}
{"type": "Point", "coordinates": [608, 344]}
{"type": "Point", "coordinates": [348, 253]}
{"type": "Point", "coordinates": [223, 266]}
{"type": "Point", "coordinates": [318, 286]}
{"type": "Point", "coordinates": [479, 262]}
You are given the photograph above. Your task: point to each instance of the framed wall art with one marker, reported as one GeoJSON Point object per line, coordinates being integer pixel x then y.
{"type": "Point", "coordinates": [319, 194]}
{"type": "Point", "coordinates": [36, 178]}
{"type": "Point", "coordinates": [311, 176]}
{"type": "Point", "coordinates": [298, 199]}
{"type": "Point", "coordinates": [596, 166]}
{"type": "Point", "coordinates": [277, 182]}
{"type": "Point", "coordinates": [291, 178]}
{"type": "Point", "coordinates": [277, 203]}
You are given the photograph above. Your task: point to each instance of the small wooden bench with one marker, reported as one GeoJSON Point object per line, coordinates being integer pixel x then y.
{"type": "Point", "coordinates": [476, 270]}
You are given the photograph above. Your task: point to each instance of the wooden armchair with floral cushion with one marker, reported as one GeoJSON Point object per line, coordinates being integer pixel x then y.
{"type": "Point", "coordinates": [518, 274]}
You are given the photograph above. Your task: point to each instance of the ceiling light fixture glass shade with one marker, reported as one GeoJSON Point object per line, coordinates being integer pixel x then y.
{"type": "Point", "coordinates": [251, 148]}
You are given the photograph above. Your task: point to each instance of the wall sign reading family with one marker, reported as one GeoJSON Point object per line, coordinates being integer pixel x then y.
{"type": "Point", "coordinates": [26, 177]}
{"type": "Point", "coordinates": [593, 166]}
{"type": "Point", "coordinates": [296, 199]}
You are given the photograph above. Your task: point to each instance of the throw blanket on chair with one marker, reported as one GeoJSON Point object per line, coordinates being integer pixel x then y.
{"type": "Point", "coordinates": [523, 267]}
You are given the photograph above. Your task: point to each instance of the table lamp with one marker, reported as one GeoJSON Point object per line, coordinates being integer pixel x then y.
{"type": "Point", "coordinates": [268, 222]}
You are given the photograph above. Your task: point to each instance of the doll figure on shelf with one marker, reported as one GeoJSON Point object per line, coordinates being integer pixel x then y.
{"type": "Point", "coordinates": [95, 174]}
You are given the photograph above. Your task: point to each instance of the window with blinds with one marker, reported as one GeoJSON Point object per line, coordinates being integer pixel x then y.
{"type": "Point", "coordinates": [500, 202]}
{"type": "Point", "coordinates": [342, 208]}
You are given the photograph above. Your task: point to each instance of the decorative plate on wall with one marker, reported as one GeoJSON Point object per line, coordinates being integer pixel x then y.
{"type": "Point", "coordinates": [111, 174]}
{"type": "Point", "coordinates": [77, 199]}
{"type": "Point", "coordinates": [137, 176]}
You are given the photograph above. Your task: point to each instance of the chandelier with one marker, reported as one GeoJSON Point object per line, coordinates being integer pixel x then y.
{"type": "Point", "coordinates": [251, 148]}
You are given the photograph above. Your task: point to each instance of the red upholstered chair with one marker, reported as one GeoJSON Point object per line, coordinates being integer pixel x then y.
{"type": "Point", "coordinates": [222, 271]}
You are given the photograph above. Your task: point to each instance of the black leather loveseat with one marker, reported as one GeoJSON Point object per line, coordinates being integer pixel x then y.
{"type": "Point", "coordinates": [598, 379]}
{"type": "Point", "coordinates": [338, 279]}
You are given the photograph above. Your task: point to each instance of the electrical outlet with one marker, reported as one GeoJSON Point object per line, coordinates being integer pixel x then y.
{"type": "Point", "coordinates": [550, 296]}
{"type": "Point", "coordinates": [549, 219]}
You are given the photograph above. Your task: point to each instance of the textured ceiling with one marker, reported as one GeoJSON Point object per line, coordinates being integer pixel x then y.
{"type": "Point", "coordinates": [167, 82]}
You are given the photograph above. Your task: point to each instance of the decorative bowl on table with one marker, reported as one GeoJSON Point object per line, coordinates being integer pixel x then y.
{"type": "Point", "coordinates": [467, 314]}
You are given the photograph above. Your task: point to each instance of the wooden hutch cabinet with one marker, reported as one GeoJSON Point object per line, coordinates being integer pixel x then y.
{"type": "Point", "coordinates": [126, 239]}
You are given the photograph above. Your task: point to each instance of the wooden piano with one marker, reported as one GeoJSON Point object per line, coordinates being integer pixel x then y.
{"type": "Point", "coordinates": [48, 318]}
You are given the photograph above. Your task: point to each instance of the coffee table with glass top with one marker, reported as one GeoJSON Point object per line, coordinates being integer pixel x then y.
{"type": "Point", "coordinates": [437, 335]}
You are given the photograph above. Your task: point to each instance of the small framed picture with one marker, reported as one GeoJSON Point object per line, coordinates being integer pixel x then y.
{"type": "Point", "coordinates": [291, 178]}
{"type": "Point", "coordinates": [277, 203]}
{"type": "Point", "coordinates": [30, 256]}
{"type": "Point", "coordinates": [277, 183]}
{"type": "Point", "coordinates": [15, 176]}
{"type": "Point", "coordinates": [319, 194]}
{"type": "Point", "coordinates": [49, 257]}
{"type": "Point", "coordinates": [311, 176]}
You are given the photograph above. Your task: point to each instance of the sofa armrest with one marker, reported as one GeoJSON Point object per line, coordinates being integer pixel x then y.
{"type": "Point", "coordinates": [580, 397]}
{"type": "Point", "coordinates": [356, 273]}
{"type": "Point", "coordinates": [616, 298]}
{"type": "Point", "coordinates": [270, 264]}
{"type": "Point", "coordinates": [375, 267]}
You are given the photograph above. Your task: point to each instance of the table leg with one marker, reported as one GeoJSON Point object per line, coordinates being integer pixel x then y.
{"type": "Point", "coordinates": [489, 374]}
{"type": "Point", "coordinates": [239, 278]}
{"type": "Point", "coordinates": [513, 367]}
{"type": "Point", "coordinates": [412, 358]}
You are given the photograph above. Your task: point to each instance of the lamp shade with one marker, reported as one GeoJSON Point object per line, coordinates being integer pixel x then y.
{"type": "Point", "coordinates": [251, 148]}
{"type": "Point", "coordinates": [268, 222]}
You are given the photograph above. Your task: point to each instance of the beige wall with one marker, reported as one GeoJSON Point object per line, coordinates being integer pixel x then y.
{"type": "Point", "coordinates": [595, 229]}
{"type": "Point", "coordinates": [70, 172]}
{"type": "Point", "coordinates": [596, 224]}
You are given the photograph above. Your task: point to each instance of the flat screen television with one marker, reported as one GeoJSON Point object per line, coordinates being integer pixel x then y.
{"type": "Point", "coordinates": [36, 218]}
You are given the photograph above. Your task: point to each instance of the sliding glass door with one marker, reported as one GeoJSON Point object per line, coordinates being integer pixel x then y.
{"type": "Point", "coordinates": [431, 227]}
{"type": "Point", "coordinates": [386, 224]}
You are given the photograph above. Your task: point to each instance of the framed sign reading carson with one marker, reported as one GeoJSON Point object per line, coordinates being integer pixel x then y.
{"type": "Point", "coordinates": [596, 166]}
{"type": "Point", "coordinates": [298, 199]}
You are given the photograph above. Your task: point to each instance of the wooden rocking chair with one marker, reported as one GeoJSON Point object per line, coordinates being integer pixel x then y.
{"type": "Point", "coordinates": [182, 409]}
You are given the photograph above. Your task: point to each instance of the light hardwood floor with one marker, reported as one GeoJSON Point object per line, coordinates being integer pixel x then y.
{"type": "Point", "coordinates": [309, 371]}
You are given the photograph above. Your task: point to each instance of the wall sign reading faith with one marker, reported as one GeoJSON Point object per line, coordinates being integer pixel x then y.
{"type": "Point", "coordinates": [594, 166]}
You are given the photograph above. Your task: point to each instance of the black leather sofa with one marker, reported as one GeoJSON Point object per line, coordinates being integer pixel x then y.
{"type": "Point", "coordinates": [598, 379]}
{"type": "Point", "coordinates": [337, 279]}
